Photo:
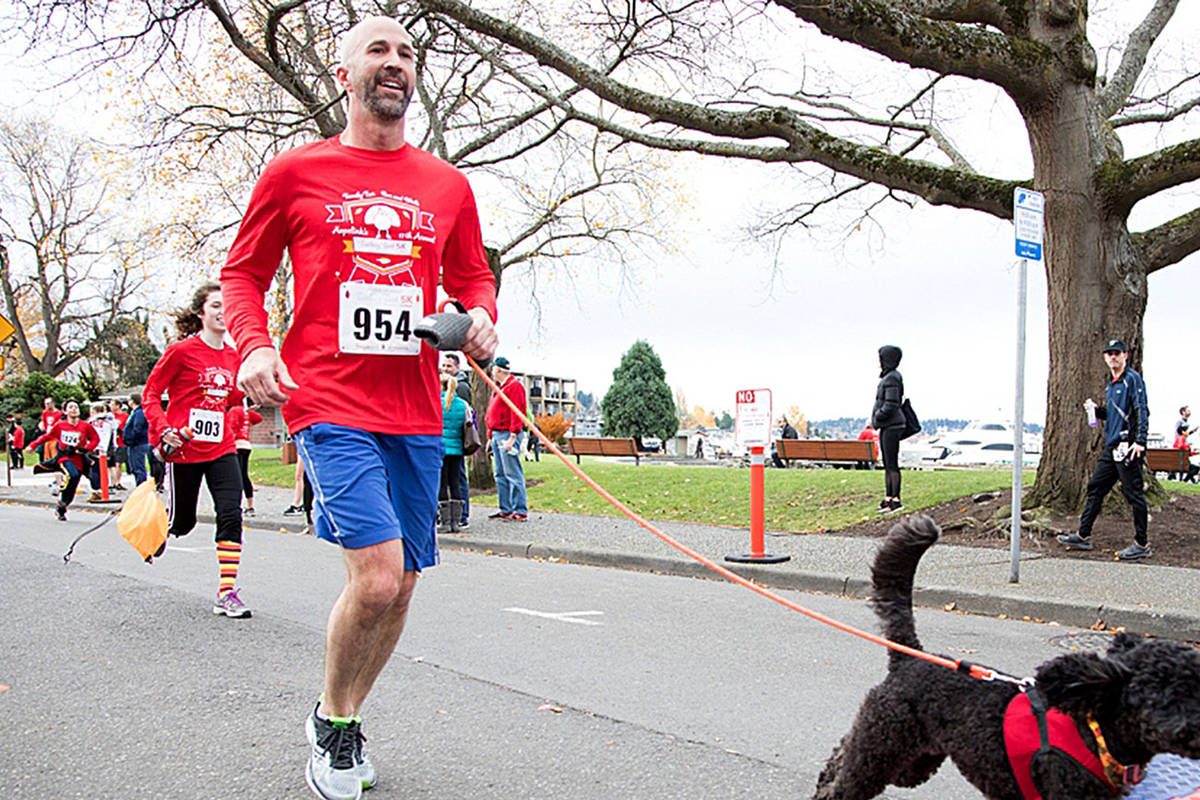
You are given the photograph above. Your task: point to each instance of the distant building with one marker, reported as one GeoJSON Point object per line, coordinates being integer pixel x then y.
{"type": "Point", "coordinates": [548, 394]}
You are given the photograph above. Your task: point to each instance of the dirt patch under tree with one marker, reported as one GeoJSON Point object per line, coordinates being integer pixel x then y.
{"type": "Point", "coordinates": [983, 521]}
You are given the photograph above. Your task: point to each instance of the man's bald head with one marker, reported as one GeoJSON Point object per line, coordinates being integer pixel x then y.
{"type": "Point", "coordinates": [367, 30]}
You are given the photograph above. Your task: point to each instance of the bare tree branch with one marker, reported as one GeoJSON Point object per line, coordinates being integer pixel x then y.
{"type": "Point", "coordinates": [1170, 242]}
{"type": "Point", "coordinates": [1156, 116]}
{"type": "Point", "coordinates": [804, 142]}
{"type": "Point", "coordinates": [1121, 84]}
{"type": "Point", "coordinates": [920, 41]}
{"type": "Point", "coordinates": [1130, 181]}
{"type": "Point", "coordinates": [986, 12]}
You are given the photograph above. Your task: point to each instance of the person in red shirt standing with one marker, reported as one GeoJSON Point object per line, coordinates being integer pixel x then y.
{"type": "Point", "coordinates": [505, 430]}
{"type": "Point", "coordinates": [121, 455]}
{"type": "Point", "coordinates": [198, 374]}
{"type": "Point", "coordinates": [371, 224]}
{"type": "Point", "coordinates": [50, 415]}
{"type": "Point", "coordinates": [73, 439]}
{"type": "Point", "coordinates": [241, 417]}
{"type": "Point", "coordinates": [16, 441]}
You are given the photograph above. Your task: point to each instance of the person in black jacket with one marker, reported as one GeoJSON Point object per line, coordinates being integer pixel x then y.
{"type": "Point", "coordinates": [888, 419]}
{"type": "Point", "coordinates": [137, 440]}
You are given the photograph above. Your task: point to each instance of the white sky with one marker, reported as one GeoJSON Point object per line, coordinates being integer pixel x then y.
{"type": "Point", "coordinates": [938, 282]}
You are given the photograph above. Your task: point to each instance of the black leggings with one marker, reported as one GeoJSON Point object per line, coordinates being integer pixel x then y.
{"type": "Point", "coordinates": [244, 461]}
{"type": "Point", "coordinates": [224, 485]}
{"type": "Point", "coordinates": [889, 446]}
{"type": "Point", "coordinates": [451, 469]}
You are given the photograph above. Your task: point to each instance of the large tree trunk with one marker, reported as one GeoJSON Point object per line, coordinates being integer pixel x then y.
{"type": "Point", "coordinates": [479, 466]}
{"type": "Point", "coordinates": [1096, 287]}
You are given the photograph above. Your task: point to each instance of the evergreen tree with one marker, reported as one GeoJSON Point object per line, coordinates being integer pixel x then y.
{"type": "Point", "coordinates": [639, 402]}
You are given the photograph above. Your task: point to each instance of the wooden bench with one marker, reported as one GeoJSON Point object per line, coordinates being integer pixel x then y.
{"type": "Point", "coordinates": [1167, 459]}
{"type": "Point", "coordinates": [859, 453]}
{"type": "Point", "coordinates": [602, 446]}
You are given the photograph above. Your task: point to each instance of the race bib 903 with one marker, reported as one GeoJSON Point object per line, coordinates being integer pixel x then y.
{"type": "Point", "coordinates": [206, 425]}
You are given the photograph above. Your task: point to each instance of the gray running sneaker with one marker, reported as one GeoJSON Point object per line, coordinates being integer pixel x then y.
{"type": "Point", "coordinates": [231, 605]}
{"type": "Point", "coordinates": [1073, 541]}
{"type": "Point", "coordinates": [1134, 552]}
{"type": "Point", "coordinates": [362, 764]}
{"type": "Point", "coordinates": [331, 769]}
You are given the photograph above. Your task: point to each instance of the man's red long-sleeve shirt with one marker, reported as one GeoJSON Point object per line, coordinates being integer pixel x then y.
{"type": "Point", "coordinates": [499, 416]}
{"type": "Point", "coordinates": [369, 234]}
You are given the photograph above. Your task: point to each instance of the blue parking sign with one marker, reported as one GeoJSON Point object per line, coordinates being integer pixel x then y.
{"type": "Point", "coordinates": [1028, 222]}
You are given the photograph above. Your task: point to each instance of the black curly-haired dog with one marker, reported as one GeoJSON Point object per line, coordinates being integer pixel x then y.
{"type": "Point", "coordinates": [1144, 694]}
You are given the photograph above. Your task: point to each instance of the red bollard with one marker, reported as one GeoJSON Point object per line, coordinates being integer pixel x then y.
{"type": "Point", "coordinates": [104, 498]}
{"type": "Point", "coordinates": [758, 523]}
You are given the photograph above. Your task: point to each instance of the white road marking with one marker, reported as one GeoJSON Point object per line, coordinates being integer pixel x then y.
{"type": "Point", "coordinates": [561, 616]}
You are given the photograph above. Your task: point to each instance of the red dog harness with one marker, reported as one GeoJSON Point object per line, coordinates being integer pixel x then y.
{"type": "Point", "coordinates": [1030, 727]}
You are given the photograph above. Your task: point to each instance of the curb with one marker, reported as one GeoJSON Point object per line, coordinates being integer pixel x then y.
{"type": "Point", "coordinates": [1183, 627]}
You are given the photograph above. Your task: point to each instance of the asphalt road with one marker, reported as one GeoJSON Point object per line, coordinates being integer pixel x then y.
{"type": "Point", "coordinates": [123, 684]}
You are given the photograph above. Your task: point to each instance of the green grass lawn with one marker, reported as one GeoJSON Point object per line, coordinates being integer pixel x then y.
{"type": "Point", "coordinates": [796, 499]}
{"type": "Point", "coordinates": [267, 470]}
{"type": "Point", "coordinates": [1181, 488]}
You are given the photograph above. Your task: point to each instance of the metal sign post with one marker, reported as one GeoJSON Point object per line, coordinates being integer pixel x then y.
{"type": "Point", "coordinates": [1028, 225]}
{"type": "Point", "coordinates": [752, 429]}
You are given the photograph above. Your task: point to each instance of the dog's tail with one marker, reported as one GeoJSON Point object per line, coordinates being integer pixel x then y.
{"type": "Point", "coordinates": [892, 580]}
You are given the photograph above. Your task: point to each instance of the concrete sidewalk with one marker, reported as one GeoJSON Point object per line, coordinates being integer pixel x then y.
{"type": "Point", "coordinates": [1142, 597]}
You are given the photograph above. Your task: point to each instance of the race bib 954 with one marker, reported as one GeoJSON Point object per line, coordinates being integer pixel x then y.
{"type": "Point", "coordinates": [377, 319]}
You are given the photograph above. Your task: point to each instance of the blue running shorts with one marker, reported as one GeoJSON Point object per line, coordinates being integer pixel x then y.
{"type": "Point", "coordinates": [372, 487]}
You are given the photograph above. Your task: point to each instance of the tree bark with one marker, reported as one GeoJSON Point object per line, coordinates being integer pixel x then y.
{"type": "Point", "coordinates": [1096, 283]}
{"type": "Point", "coordinates": [479, 466]}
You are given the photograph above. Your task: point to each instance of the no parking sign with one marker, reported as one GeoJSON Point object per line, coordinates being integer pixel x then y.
{"type": "Point", "coordinates": [752, 427]}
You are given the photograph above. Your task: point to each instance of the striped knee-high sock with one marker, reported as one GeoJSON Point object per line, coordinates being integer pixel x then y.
{"type": "Point", "coordinates": [229, 555]}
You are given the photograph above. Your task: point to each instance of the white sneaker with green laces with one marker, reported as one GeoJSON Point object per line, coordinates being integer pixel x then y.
{"type": "Point", "coordinates": [363, 767]}
{"type": "Point", "coordinates": [331, 771]}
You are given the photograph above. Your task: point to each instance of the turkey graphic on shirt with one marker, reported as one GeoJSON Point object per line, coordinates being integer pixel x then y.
{"type": "Point", "coordinates": [383, 234]}
{"type": "Point", "coordinates": [216, 383]}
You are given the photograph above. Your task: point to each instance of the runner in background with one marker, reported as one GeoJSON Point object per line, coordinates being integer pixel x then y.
{"type": "Point", "coordinates": [198, 373]}
{"type": "Point", "coordinates": [73, 439]}
{"type": "Point", "coordinates": [240, 418]}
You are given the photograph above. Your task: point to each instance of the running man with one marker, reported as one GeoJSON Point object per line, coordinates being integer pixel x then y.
{"type": "Point", "coordinates": [198, 373]}
{"type": "Point", "coordinates": [73, 439]}
{"type": "Point", "coordinates": [371, 223]}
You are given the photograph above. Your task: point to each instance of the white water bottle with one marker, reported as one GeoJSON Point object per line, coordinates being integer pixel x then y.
{"type": "Point", "coordinates": [1091, 412]}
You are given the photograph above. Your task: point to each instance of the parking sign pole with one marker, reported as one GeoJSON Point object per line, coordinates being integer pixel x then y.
{"type": "Point", "coordinates": [1014, 574]}
{"type": "Point", "coordinates": [1029, 213]}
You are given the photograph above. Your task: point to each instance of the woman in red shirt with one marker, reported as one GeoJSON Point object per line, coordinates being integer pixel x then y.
{"type": "Point", "coordinates": [73, 439]}
{"type": "Point", "coordinates": [197, 373]}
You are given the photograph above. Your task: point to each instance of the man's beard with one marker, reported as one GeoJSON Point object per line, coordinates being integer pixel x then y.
{"type": "Point", "coordinates": [385, 108]}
